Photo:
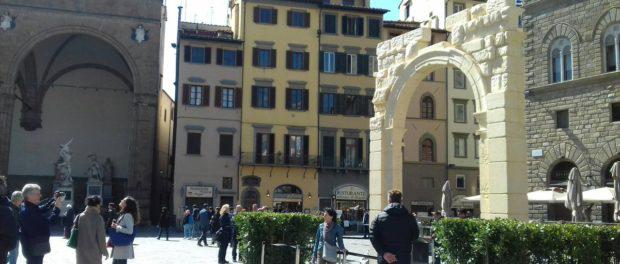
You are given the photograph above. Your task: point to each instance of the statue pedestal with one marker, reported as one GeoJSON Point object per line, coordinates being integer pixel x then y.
{"type": "Point", "coordinates": [94, 187]}
{"type": "Point", "coordinates": [68, 190]}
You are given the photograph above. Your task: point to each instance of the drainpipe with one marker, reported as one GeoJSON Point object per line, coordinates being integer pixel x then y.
{"type": "Point", "coordinates": [241, 5]}
{"type": "Point", "coordinates": [176, 101]}
{"type": "Point", "coordinates": [318, 119]}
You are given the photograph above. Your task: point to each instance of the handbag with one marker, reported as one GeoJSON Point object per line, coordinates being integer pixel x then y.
{"type": "Point", "coordinates": [73, 239]}
{"type": "Point", "coordinates": [118, 239]}
{"type": "Point", "coordinates": [330, 252]}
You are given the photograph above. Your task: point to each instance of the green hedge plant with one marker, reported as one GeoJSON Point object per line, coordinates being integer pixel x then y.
{"type": "Point", "coordinates": [511, 241]}
{"type": "Point", "coordinates": [275, 228]}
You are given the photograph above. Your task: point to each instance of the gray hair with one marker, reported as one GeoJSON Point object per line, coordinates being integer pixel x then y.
{"type": "Point", "coordinates": [17, 196]}
{"type": "Point", "coordinates": [29, 188]}
{"type": "Point", "coordinates": [2, 185]}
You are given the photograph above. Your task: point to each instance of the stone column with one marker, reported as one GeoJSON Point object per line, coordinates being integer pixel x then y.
{"type": "Point", "coordinates": [7, 103]}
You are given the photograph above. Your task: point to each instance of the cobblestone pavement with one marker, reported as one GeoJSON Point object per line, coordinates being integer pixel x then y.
{"type": "Point", "coordinates": [149, 250]}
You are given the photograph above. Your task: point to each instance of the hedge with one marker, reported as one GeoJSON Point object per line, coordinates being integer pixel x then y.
{"type": "Point", "coordinates": [511, 241]}
{"type": "Point", "coordinates": [275, 228]}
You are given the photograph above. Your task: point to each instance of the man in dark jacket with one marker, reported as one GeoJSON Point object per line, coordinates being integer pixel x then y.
{"type": "Point", "coordinates": [36, 219]}
{"type": "Point", "coordinates": [204, 217]}
{"type": "Point", "coordinates": [8, 225]}
{"type": "Point", "coordinates": [109, 216]}
{"type": "Point", "coordinates": [394, 231]}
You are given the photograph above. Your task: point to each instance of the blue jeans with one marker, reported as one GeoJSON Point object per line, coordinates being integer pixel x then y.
{"type": "Point", "coordinates": [187, 231]}
{"type": "Point", "coordinates": [13, 254]}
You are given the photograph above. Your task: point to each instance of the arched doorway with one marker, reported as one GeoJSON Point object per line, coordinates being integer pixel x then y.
{"type": "Point", "coordinates": [288, 199]}
{"type": "Point", "coordinates": [558, 177]}
{"type": "Point", "coordinates": [250, 197]}
{"type": "Point", "coordinates": [482, 50]}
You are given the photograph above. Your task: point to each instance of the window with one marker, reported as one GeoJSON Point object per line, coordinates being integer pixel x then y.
{"type": "Point", "coordinates": [612, 48]}
{"type": "Point", "coordinates": [349, 103]}
{"type": "Point", "coordinates": [351, 152]}
{"type": "Point", "coordinates": [330, 24]}
{"type": "Point", "coordinates": [476, 146]}
{"type": "Point", "coordinates": [460, 145]}
{"type": "Point", "coordinates": [193, 143]}
{"type": "Point", "coordinates": [374, 28]}
{"type": "Point", "coordinates": [428, 183]}
{"type": "Point", "coordinates": [561, 119]}
{"type": "Point", "coordinates": [428, 108]}
{"type": "Point", "coordinates": [430, 77]}
{"type": "Point", "coordinates": [298, 19]}
{"type": "Point", "coordinates": [229, 58]}
{"type": "Point", "coordinates": [460, 181]}
{"type": "Point", "coordinates": [265, 58]}
{"type": "Point", "coordinates": [373, 65]}
{"type": "Point", "coordinates": [197, 55]}
{"type": "Point", "coordinates": [460, 111]}
{"type": "Point", "coordinates": [427, 150]}
{"type": "Point", "coordinates": [559, 173]}
{"type": "Point", "coordinates": [227, 183]}
{"type": "Point", "coordinates": [296, 149]}
{"type": "Point", "coordinates": [352, 26]}
{"type": "Point", "coordinates": [329, 149]}
{"type": "Point", "coordinates": [297, 99]}
{"type": "Point", "coordinates": [228, 98]}
{"type": "Point", "coordinates": [264, 145]}
{"type": "Point", "coordinates": [561, 60]}
{"type": "Point", "coordinates": [265, 15]}
{"type": "Point", "coordinates": [351, 64]}
{"type": "Point", "coordinates": [329, 62]}
{"type": "Point", "coordinates": [460, 82]}
{"type": "Point", "coordinates": [226, 145]}
{"type": "Point", "coordinates": [196, 95]}
{"type": "Point", "coordinates": [297, 60]}
{"type": "Point", "coordinates": [615, 112]}
{"type": "Point", "coordinates": [328, 103]}
{"type": "Point", "coordinates": [348, 2]}
{"type": "Point", "coordinates": [165, 114]}
{"type": "Point", "coordinates": [458, 7]}
{"type": "Point", "coordinates": [263, 97]}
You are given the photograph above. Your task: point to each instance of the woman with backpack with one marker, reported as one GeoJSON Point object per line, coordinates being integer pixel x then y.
{"type": "Point", "coordinates": [91, 233]}
{"type": "Point", "coordinates": [129, 217]}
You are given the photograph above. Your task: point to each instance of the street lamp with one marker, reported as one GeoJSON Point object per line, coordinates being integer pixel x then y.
{"type": "Point", "coordinates": [268, 194]}
{"type": "Point", "coordinates": [309, 196]}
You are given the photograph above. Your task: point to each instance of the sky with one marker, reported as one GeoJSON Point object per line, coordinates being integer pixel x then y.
{"type": "Point", "coordinates": [215, 12]}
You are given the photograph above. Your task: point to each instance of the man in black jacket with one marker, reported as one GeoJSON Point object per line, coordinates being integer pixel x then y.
{"type": "Point", "coordinates": [8, 226]}
{"type": "Point", "coordinates": [394, 231]}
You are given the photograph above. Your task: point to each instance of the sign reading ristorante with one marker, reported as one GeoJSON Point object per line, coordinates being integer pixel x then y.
{"type": "Point", "coordinates": [351, 192]}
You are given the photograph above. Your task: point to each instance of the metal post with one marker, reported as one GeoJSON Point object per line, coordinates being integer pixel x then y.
{"type": "Point", "coordinates": [262, 254]}
{"type": "Point", "coordinates": [297, 256]}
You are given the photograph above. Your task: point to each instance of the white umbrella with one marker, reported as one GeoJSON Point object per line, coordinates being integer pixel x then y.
{"type": "Point", "coordinates": [599, 195]}
{"type": "Point", "coordinates": [574, 196]}
{"type": "Point", "coordinates": [446, 199]}
{"type": "Point", "coordinates": [615, 174]}
{"type": "Point", "coordinates": [551, 195]}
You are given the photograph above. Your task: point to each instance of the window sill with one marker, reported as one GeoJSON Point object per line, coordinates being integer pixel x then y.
{"type": "Point", "coordinates": [297, 70]}
{"type": "Point", "coordinates": [195, 106]}
{"type": "Point", "coordinates": [458, 122]}
{"type": "Point", "coordinates": [353, 36]}
{"type": "Point", "coordinates": [297, 110]}
{"type": "Point", "coordinates": [460, 157]}
{"type": "Point", "coordinates": [263, 108]}
{"type": "Point", "coordinates": [266, 23]}
{"type": "Point", "coordinates": [329, 72]}
{"type": "Point", "coordinates": [299, 27]}
{"type": "Point", "coordinates": [264, 67]}
{"type": "Point", "coordinates": [226, 156]}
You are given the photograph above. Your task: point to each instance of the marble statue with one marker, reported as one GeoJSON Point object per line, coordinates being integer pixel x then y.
{"type": "Point", "coordinates": [94, 172]}
{"type": "Point", "coordinates": [63, 165]}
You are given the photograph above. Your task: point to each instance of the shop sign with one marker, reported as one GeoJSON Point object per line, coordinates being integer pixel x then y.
{"type": "Point", "coordinates": [199, 191]}
{"type": "Point", "coordinates": [351, 192]}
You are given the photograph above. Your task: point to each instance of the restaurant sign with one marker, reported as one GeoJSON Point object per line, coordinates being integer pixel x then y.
{"type": "Point", "coordinates": [351, 192]}
{"type": "Point", "coordinates": [199, 191]}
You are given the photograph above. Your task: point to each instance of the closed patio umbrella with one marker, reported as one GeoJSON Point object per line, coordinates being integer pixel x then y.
{"type": "Point", "coordinates": [574, 195]}
{"type": "Point", "coordinates": [446, 199]}
{"type": "Point", "coordinates": [615, 174]}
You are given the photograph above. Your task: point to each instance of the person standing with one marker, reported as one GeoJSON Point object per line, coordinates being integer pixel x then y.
{"type": "Point", "coordinates": [394, 231]}
{"type": "Point", "coordinates": [164, 222]}
{"type": "Point", "coordinates": [36, 219]}
{"type": "Point", "coordinates": [129, 217]}
{"type": "Point", "coordinates": [196, 227]}
{"type": "Point", "coordinates": [109, 216]}
{"type": "Point", "coordinates": [187, 227]}
{"type": "Point", "coordinates": [235, 239]}
{"type": "Point", "coordinates": [67, 221]}
{"type": "Point", "coordinates": [203, 224]}
{"type": "Point", "coordinates": [91, 243]}
{"type": "Point", "coordinates": [365, 222]}
{"type": "Point", "coordinates": [8, 224]}
{"type": "Point", "coordinates": [16, 202]}
{"type": "Point", "coordinates": [215, 224]}
{"type": "Point", "coordinates": [225, 231]}
{"type": "Point", "coordinates": [329, 232]}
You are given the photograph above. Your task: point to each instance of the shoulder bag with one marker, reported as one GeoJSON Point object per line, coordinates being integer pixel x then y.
{"type": "Point", "coordinates": [73, 239]}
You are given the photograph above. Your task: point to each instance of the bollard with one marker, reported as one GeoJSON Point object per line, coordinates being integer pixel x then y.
{"type": "Point", "coordinates": [297, 255]}
{"type": "Point", "coordinates": [262, 254]}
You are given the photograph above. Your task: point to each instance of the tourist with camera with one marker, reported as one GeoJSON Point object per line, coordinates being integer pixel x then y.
{"type": "Point", "coordinates": [36, 217]}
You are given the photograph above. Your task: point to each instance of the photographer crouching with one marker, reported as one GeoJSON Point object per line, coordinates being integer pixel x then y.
{"type": "Point", "coordinates": [36, 219]}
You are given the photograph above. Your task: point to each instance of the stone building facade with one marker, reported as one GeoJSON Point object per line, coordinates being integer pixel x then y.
{"type": "Point", "coordinates": [572, 96]}
{"type": "Point", "coordinates": [81, 70]}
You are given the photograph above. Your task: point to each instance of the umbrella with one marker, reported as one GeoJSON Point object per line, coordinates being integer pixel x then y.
{"type": "Point", "coordinates": [599, 195]}
{"type": "Point", "coordinates": [615, 174]}
{"type": "Point", "coordinates": [574, 196]}
{"type": "Point", "coordinates": [551, 195]}
{"type": "Point", "coordinates": [446, 199]}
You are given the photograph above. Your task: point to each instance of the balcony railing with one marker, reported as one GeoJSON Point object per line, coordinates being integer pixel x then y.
{"type": "Point", "coordinates": [333, 163]}
{"type": "Point", "coordinates": [279, 159]}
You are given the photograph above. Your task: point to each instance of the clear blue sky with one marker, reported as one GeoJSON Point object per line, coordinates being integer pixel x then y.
{"type": "Point", "coordinates": [214, 12]}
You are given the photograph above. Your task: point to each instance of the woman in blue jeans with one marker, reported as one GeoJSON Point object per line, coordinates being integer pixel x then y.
{"type": "Point", "coordinates": [328, 232]}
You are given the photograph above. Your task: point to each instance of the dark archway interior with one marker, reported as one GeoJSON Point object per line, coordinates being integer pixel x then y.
{"type": "Point", "coordinates": [559, 173]}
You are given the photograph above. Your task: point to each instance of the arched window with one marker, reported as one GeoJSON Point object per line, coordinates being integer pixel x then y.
{"type": "Point", "coordinates": [427, 153]}
{"type": "Point", "coordinates": [559, 173]}
{"type": "Point", "coordinates": [561, 60]}
{"type": "Point", "coordinates": [428, 108]}
{"type": "Point", "coordinates": [612, 50]}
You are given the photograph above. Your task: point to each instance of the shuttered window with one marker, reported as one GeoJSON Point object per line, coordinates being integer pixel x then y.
{"type": "Point", "coordinates": [330, 24]}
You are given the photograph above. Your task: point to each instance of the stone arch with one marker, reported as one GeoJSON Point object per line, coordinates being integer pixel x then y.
{"type": "Point", "coordinates": [562, 30]}
{"type": "Point", "coordinates": [485, 45]}
{"type": "Point", "coordinates": [607, 154]}
{"type": "Point", "coordinates": [607, 19]}
{"type": "Point", "coordinates": [564, 152]}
